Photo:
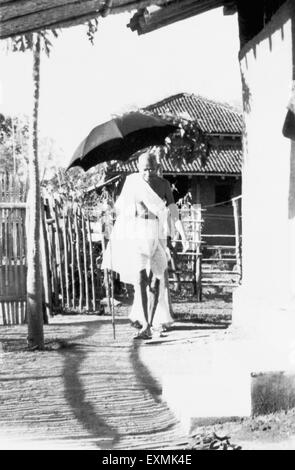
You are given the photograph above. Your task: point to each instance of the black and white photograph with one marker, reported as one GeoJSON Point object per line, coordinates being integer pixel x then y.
{"type": "Point", "coordinates": [147, 227]}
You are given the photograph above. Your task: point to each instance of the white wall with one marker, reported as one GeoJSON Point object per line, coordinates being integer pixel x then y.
{"type": "Point", "coordinates": [268, 225]}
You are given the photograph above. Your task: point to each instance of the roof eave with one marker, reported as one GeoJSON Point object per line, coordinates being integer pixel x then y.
{"type": "Point", "coordinates": [145, 22]}
{"type": "Point", "coordinates": [24, 16]}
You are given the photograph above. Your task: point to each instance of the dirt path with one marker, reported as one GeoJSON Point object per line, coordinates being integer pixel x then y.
{"type": "Point", "coordinates": [85, 391]}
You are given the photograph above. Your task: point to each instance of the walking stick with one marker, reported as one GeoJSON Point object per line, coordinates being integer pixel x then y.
{"type": "Point", "coordinates": [107, 274]}
{"type": "Point", "coordinates": [113, 305]}
{"type": "Point", "coordinates": [112, 278]}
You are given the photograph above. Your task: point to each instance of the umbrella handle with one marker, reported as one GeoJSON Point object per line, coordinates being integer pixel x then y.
{"type": "Point", "coordinates": [112, 304]}
{"type": "Point", "coordinates": [107, 286]}
{"type": "Point", "coordinates": [112, 282]}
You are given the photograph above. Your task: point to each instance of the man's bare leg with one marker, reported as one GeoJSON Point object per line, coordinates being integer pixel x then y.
{"type": "Point", "coordinates": [143, 283]}
{"type": "Point", "coordinates": [154, 291]}
{"type": "Point", "coordinates": [168, 293]}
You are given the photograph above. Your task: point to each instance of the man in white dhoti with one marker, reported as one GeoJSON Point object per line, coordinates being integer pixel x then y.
{"type": "Point", "coordinates": [137, 248]}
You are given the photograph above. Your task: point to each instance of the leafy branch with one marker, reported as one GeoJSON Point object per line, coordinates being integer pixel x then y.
{"type": "Point", "coordinates": [24, 42]}
{"type": "Point", "coordinates": [92, 29]}
{"type": "Point", "coordinates": [186, 144]}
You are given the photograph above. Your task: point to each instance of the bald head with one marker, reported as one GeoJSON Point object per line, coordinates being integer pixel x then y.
{"type": "Point", "coordinates": [147, 165]}
{"type": "Point", "coordinates": [147, 159]}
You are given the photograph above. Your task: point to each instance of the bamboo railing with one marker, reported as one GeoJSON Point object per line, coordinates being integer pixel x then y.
{"type": "Point", "coordinates": [74, 283]}
{"type": "Point", "coordinates": [206, 263]}
{"type": "Point", "coordinates": [13, 270]}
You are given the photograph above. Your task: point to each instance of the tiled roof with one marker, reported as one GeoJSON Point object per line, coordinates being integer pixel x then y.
{"type": "Point", "coordinates": [211, 117]}
{"type": "Point", "coordinates": [221, 160]}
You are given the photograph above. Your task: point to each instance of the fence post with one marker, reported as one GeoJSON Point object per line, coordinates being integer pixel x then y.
{"type": "Point", "coordinates": [106, 271]}
{"type": "Point", "coordinates": [84, 241]}
{"type": "Point", "coordinates": [235, 203]}
{"type": "Point", "coordinates": [66, 253]}
{"type": "Point", "coordinates": [45, 263]}
{"type": "Point", "coordinates": [79, 266]}
{"type": "Point", "coordinates": [72, 252]}
{"type": "Point", "coordinates": [52, 255]}
{"type": "Point", "coordinates": [93, 291]}
{"type": "Point", "coordinates": [198, 272]}
{"type": "Point", "coordinates": [56, 216]}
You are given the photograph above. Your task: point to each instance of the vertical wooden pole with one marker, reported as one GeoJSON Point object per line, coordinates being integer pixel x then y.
{"type": "Point", "coordinates": [52, 257]}
{"type": "Point", "coordinates": [112, 273]}
{"type": "Point", "coordinates": [4, 313]}
{"type": "Point", "coordinates": [106, 274]}
{"type": "Point", "coordinates": [45, 264]}
{"type": "Point", "coordinates": [13, 267]}
{"type": "Point", "coordinates": [14, 276]}
{"type": "Point", "coordinates": [235, 203]}
{"type": "Point", "coordinates": [86, 283]}
{"type": "Point", "coordinates": [22, 256]}
{"type": "Point", "coordinates": [77, 229]}
{"type": "Point", "coordinates": [66, 256]}
{"type": "Point", "coordinates": [34, 300]}
{"type": "Point", "coordinates": [6, 254]}
{"type": "Point", "coordinates": [91, 264]}
{"type": "Point", "coordinates": [72, 251]}
{"type": "Point", "coordinates": [18, 260]}
{"type": "Point", "coordinates": [198, 274]}
{"type": "Point", "coordinates": [56, 213]}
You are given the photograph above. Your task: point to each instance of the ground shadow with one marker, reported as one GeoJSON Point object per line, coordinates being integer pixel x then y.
{"type": "Point", "coordinates": [104, 435]}
{"type": "Point", "coordinates": [143, 374]}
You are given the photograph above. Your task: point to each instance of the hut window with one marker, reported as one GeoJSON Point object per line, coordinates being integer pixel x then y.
{"type": "Point", "coordinates": [223, 193]}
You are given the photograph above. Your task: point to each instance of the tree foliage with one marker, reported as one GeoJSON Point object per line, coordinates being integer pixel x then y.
{"type": "Point", "coordinates": [24, 42]}
{"type": "Point", "coordinates": [92, 29]}
{"type": "Point", "coordinates": [14, 148]}
{"type": "Point", "coordinates": [75, 184]}
{"type": "Point", "coordinates": [14, 134]}
{"type": "Point", "coordinates": [186, 144]}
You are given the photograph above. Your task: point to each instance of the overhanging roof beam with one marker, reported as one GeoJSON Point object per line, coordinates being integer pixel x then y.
{"type": "Point", "coordinates": [25, 16]}
{"type": "Point", "coordinates": [176, 11]}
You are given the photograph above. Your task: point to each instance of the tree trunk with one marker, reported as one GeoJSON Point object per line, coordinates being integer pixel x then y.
{"type": "Point", "coordinates": [34, 284]}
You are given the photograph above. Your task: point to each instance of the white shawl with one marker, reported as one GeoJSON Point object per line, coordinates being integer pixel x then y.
{"type": "Point", "coordinates": [136, 243]}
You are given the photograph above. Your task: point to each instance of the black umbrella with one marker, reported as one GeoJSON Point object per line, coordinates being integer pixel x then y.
{"type": "Point", "coordinates": [120, 138]}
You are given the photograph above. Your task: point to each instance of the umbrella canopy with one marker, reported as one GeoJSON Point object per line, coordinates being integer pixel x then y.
{"type": "Point", "coordinates": [120, 138]}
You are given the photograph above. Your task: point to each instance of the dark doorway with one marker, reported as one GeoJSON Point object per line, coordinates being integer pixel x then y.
{"type": "Point", "coordinates": [180, 184]}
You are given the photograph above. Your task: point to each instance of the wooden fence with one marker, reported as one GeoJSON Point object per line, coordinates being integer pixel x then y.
{"type": "Point", "coordinates": [12, 250]}
{"type": "Point", "coordinates": [71, 277]}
